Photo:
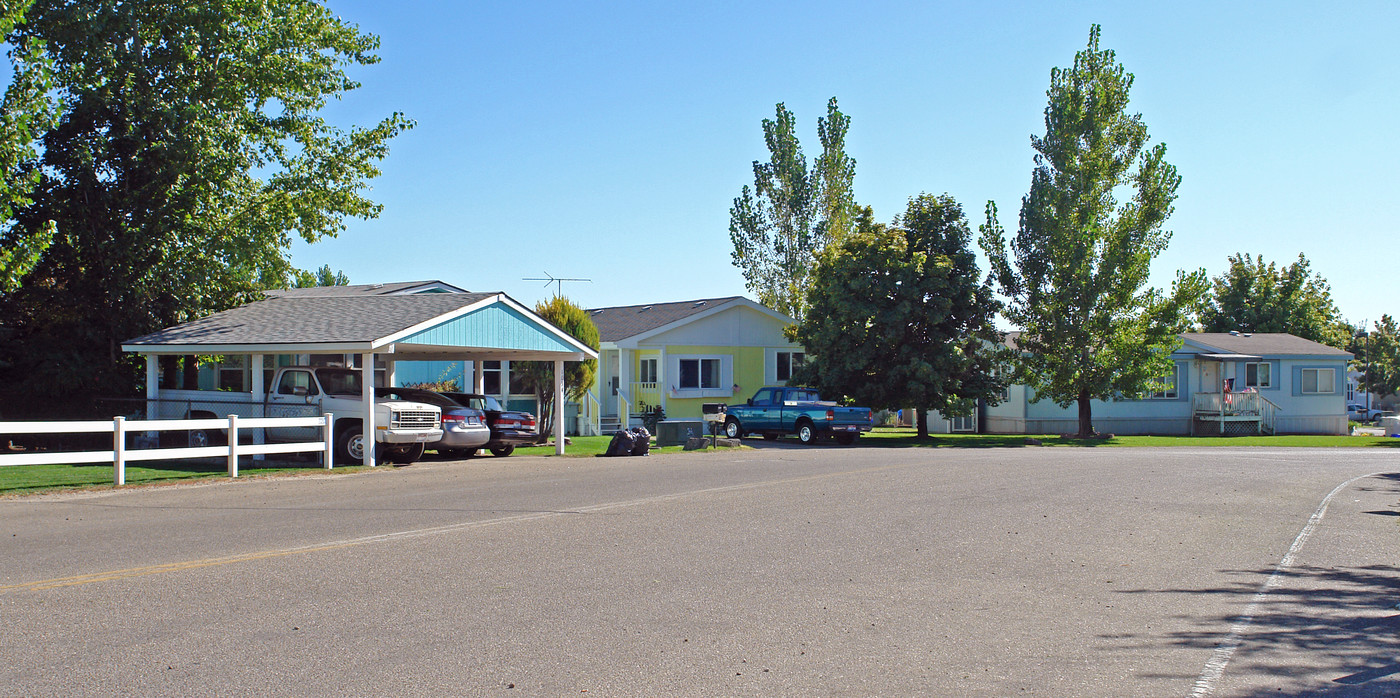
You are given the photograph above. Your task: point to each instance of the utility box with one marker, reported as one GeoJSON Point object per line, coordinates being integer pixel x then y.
{"type": "Point", "coordinates": [1391, 425]}
{"type": "Point", "coordinates": [674, 432]}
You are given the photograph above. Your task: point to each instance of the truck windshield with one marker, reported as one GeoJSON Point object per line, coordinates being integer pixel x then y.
{"type": "Point", "coordinates": [339, 381]}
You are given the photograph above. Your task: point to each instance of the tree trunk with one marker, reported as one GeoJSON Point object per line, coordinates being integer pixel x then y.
{"type": "Point", "coordinates": [1086, 417]}
{"type": "Point", "coordinates": [921, 421]}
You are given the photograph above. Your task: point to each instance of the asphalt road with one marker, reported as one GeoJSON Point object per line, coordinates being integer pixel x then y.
{"type": "Point", "coordinates": [775, 571]}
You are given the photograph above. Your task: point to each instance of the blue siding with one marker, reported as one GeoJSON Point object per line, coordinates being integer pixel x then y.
{"type": "Point", "coordinates": [492, 327]}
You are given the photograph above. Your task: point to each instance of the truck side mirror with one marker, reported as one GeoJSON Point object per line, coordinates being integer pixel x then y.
{"type": "Point", "coordinates": [750, 402]}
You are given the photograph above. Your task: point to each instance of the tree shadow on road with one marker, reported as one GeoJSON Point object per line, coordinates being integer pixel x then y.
{"type": "Point", "coordinates": [1318, 631]}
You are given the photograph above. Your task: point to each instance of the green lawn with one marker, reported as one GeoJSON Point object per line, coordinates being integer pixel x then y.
{"type": "Point", "coordinates": [906, 438]}
{"type": "Point", "coordinates": [21, 479]}
{"type": "Point", "coordinates": [36, 478]}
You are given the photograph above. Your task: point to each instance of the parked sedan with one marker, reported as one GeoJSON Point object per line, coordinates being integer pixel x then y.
{"type": "Point", "coordinates": [509, 428]}
{"type": "Point", "coordinates": [1361, 413]}
{"type": "Point", "coordinates": [464, 429]}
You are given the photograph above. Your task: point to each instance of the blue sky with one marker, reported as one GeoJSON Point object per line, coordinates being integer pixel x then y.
{"type": "Point", "coordinates": [607, 140]}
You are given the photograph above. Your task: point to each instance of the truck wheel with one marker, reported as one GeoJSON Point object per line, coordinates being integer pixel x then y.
{"type": "Point", "coordinates": [732, 429]}
{"type": "Point", "coordinates": [502, 451]}
{"type": "Point", "coordinates": [350, 446]}
{"type": "Point", "coordinates": [406, 455]}
{"type": "Point", "coordinates": [806, 433]}
{"type": "Point", "coordinates": [846, 438]}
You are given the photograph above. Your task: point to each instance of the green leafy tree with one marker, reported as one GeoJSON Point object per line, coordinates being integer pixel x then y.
{"type": "Point", "coordinates": [1381, 358]}
{"type": "Point", "coordinates": [899, 316]}
{"type": "Point", "coordinates": [1076, 270]}
{"type": "Point", "coordinates": [1252, 296]}
{"type": "Point", "coordinates": [321, 277]}
{"type": "Point", "coordinates": [790, 215]}
{"type": "Point", "coordinates": [25, 114]}
{"type": "Point", "coordinates": [188, 153]}
{"type": "Point", "coordinates": [578, 375]}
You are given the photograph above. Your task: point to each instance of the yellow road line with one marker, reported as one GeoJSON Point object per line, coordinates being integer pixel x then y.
{"type": "Point", "coordinates": [132, 572]}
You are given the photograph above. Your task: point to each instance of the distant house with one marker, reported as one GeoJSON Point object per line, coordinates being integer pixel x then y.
{"type": "Point", "coordinates": [1222, 383]}
{"type": "Point", "coordinates": [678, 356]}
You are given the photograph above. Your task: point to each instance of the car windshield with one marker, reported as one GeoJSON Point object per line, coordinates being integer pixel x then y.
{"type": "Point", "coordinates": [480, 402]}
{"type": "Point", "coordinates": [339, 381]}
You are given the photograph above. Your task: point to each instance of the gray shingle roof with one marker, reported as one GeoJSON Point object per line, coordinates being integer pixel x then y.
{"type": "Point", "coordinates": [312, 320]}
{"type": "Point", "coordinates": [618, 323]}
{"type": "Point", "coordinates": [1263, 344]}
{"type": "Point", "coordinates": [351, 290]}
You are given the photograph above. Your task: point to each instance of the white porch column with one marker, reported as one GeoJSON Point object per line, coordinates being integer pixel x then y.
{"type": "Point", "coordinates": [259, 393]}
{"type": "Point", "coordinates": [624, 387]}
{"type": "Point", "coordinates": [478, 377]}
{"type": "Point", "coordinates": [558, 407]}
{"type": "Point", "coordinates": [661, 376]}
{"type": "Point", "coordinates": [152, 385]}
{"type": "Point", "coordinates": [390, 379]}
{"type": "Point", "coordinates": [368, 434]}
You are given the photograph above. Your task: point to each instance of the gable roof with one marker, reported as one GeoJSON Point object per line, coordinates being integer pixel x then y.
{"type": "Point", "coordinates": [620, 322]}
{"type": "Point", "coordinates": [396, 288]}
{"type": "Point", "coordinates": [411, 325]}
{"type": "Point", "coordinates": [1262, 344]}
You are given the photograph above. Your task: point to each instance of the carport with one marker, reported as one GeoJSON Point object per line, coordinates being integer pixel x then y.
{"type": "Point", "coordinates": [472, 327]}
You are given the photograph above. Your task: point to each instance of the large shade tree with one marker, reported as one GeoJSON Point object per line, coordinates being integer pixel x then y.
{"type": "Point", "coordinates": [26, 112]}
{"type": "Point", "coordinates": [1378, 355]}
{"type": "Point", "coordinates": [190, 151]}
{"type": "Point", "coordinates": [1252, 296]}
{"type": "Point", "coordinates": [899, 316]}
{"type": "Point", "coordinates": [780, 226]}
{"type": "Point", "coordinates": [1076, 271]}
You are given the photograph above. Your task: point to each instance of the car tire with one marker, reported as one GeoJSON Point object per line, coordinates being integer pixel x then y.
{"type": "Point", "coordinates": [406, 455]}
{"type": "Point", "coordinates": [502, 451]}
{"type": "Point", "coordinates": [349, 446]}
{"type": "Point", "coordinates": [733, 429]}
{"type": "Point", "coordinates": [806, 432]}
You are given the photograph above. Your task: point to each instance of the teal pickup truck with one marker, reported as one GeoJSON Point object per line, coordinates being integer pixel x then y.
{"type": "Point", "coordinates": [774, 412]}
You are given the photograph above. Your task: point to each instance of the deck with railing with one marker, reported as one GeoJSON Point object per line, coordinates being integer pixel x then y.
{"type": "Point", "coordinates": [1232, 414]}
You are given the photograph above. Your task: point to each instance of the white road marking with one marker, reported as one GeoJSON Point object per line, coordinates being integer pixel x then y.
{"type": "Point", "coordinates": [1215, 667]}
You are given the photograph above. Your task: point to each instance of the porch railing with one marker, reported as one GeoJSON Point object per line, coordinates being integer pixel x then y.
{"type": "Point", "coordinates": [645, 396]}
{"type": "Point", "coordinates": [1235, 407]}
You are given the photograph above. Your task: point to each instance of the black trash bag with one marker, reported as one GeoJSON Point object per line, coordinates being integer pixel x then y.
{"type": "Point", "coordinates": [621, 444]}
{"type": "Point", "coordinates": [641, 441]}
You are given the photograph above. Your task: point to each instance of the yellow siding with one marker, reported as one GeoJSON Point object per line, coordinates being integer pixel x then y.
{"type": "Point", "coordinates": [748, 375]}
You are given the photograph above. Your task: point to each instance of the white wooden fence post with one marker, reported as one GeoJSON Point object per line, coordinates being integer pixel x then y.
{"type": "Point", "coordinates": [119, 450]}
{"type": "Point", "coordinates": [233, 445]}
{"type": "Point", "coordinates": [328, 457]}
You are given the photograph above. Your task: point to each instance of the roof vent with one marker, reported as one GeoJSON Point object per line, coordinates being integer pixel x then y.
{"type": "Point", "coordinates": [698, 304]}
{"type": "Point", "coordinates": [599, 311]}
{"type": "Point", "coordinates": [1247, 334]}
{"type": "Point", "coordinates": [643, 310]}
{"type": "Point", "coordinates": [1234, 333]}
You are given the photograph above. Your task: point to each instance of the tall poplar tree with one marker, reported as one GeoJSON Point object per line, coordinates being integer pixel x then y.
{"type": "Point", "coordinates": [1076, 269]}
{"type": "Point", "coordinates": [793, 211]}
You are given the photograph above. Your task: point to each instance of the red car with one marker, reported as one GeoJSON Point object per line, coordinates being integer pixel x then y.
{"type": "Point", "coordinates": [509, 428]}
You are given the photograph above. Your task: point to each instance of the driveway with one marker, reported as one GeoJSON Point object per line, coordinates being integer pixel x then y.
{"type": "Point", "coordinates": [821, 571]}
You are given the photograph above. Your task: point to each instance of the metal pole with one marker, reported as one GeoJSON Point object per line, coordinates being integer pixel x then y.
{"type": "Point", "coordinates": [328, 456]}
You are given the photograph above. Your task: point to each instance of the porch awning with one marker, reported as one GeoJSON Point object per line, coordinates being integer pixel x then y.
{"type": "Point", "coordinates": [1230, 357]}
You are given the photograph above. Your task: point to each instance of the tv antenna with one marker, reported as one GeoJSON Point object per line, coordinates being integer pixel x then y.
{"type": "Point", "coordinates": [557, 281]}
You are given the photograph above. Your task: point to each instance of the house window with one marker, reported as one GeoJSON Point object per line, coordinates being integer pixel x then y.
{"type": "Point", "coordinates": [1258, 374]}
{"type": "Point", "coordinates": [647, 371]}
{"type": "Point", "coordinates": [491, 377]}
{"type": "Point", "coordinates": [699, 373]}
{"type": "Point", "coordinates": [787, 361]}
{"type": "Point", "coordinates": [1164, 388]}
{"type": "Point", "coordinates": [1318, 381]}
{"type": "Point", "coordinates": [516, 381]}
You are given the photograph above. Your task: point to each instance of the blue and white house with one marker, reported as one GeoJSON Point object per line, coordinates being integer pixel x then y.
{"type": "Point", "coordinates": [1223, 383]}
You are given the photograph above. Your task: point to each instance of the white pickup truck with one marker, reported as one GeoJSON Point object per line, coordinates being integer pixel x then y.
{"type": "Point", "coordinates": [402, 427]}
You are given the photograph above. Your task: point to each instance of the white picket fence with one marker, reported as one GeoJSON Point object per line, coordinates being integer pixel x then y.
{"type": "Point", "coordinates": [120, 455]}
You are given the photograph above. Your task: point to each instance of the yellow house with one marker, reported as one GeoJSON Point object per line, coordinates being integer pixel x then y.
{"type": "Point", "coordinates": [678, 356]}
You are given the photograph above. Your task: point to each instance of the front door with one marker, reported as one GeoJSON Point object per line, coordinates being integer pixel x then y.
{"type": "Point", "coordinates": [1210, 376]}
{"type": "Point", "coordinates": [611, 369]}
